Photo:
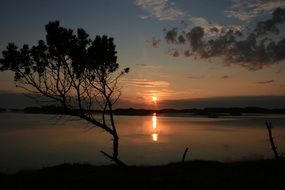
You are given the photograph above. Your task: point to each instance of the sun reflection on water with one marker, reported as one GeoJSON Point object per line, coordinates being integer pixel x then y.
{"type": "Point", "coordinates": [154, 121]}
{"type": "Point", "coordinates": [154, 133]}
{"type": "Point", "coordinates": [154, 136]}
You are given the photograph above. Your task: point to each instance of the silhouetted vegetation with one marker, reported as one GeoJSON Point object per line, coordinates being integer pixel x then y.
{"type": "Point", "coordinates": [74, 72]}
{"type": "Point", "coordinates": [263, 174]}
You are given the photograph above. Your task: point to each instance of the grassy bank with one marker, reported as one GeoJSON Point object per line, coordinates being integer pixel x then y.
{"type": "Point", "coordinates": [263, 174]}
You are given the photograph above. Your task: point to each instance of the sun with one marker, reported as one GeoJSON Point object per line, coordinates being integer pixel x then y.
{"type": "Point", "coordinates": [154, 99]}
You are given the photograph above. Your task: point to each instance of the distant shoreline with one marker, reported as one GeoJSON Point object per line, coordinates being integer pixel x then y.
{"type": "Point", "coordinates": [209, 112]}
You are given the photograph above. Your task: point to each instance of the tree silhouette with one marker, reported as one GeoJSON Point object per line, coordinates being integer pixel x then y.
{"type": "Point", "coordinates": [72, 70]}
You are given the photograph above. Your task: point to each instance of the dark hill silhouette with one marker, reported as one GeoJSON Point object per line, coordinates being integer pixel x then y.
{"type": "Point", "coordinates": [235, 111]}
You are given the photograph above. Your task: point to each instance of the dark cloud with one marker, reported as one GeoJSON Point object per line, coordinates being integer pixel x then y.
{"type": "Point", "coordinates": [225, 77]}
{"type": "Point", "coordinates": [214, 30]}
{"type": "Point", "coordinates": [251, 49]}
{"type": "Point", "coordinates": [265, 82]}
{"type": "Point", "coordinates": [278, 17]}
{"type": "Point", "coordinates": [155, 43]}
{"type": "Point", "coordinates": [234, 101]}
{"type": "Point", "coordinates": [173, 52]}
{"type": "Point", "coordinates": [181, 39]}
{"type": "Point", "coordinates": [194, 38]}
{"type": "Point", "coordinates": [186, 53]}
{"type": "Point", "coordinates": [171, 35]}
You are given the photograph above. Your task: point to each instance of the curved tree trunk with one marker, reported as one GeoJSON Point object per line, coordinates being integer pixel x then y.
{"type": "Point", "coordinates": [115, 154]}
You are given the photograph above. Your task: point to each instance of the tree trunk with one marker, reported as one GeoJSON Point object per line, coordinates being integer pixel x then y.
{"type": "Point", "coordinates": [115, 155]}
{"type": "Point", "coordinates": [115, 146]}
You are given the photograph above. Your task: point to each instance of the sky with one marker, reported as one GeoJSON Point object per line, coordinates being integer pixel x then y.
{"type": "Point", "coordinates": [167, 58]}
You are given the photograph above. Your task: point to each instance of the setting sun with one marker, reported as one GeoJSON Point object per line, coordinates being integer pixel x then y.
{"type": "Point", "coordinates": [154, 98]}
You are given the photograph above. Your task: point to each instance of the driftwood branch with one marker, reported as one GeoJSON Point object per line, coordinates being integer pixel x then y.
{"type": "Point", "coordinates": [274, 148]}
{"type": "Point", "coordinates": [114, 159]}
{"type": "Point", "coordinates": [184, 154]}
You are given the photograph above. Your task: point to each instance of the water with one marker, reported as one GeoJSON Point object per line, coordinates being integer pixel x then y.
{"type": "Point", "coordinates": [30, 141]}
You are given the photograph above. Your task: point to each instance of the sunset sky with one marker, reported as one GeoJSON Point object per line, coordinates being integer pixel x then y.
{"type": "Point", "coordinates": [150, 36]}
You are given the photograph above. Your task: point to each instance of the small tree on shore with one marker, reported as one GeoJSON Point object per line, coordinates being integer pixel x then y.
{"type": "Point", "coordinates": [77, 73]}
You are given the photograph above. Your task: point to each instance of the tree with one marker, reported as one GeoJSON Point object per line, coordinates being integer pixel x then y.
{"type": "Point", "coordinates": [72, 70]}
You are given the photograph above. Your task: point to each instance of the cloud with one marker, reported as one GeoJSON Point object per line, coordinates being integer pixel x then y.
{"type": "Point", "coordinates": [154, 43]}
{"type": "Point", "coordinates": [141, 64]}
{"type": "Point", "coordinates": [15, 100]}
{"type": "Point", "coordinates": [253, 49]}
{"type": "Point", "coordinates": [213, 29]}
{"type": "Point", "coordinates": [195, 77]}
{"type": "Point", "coordinates": [231, 101]}
{"type": "Point", "coordinates": [194, 38]}
{"type": "Point", "coordinates": [167, 10]}
{"type": "Point", "coordinates": [225, 77]}
{"type": "Point", "coordinates": [144, 17]}
{"type": "Point", "coordinates": [140, 98]}
{"type": "Point", "coordinates": [171, 35]}
{"type": "Point", "coordinates": [270, 25]}
{"type": "Point", "coordinates": [186, 53]}
{"type": "Point", "coordinates": [145, 83]}
{"type": "Point", "coordinates": [181, 39]}
{"type": "Point", "coordinates": [265, 82]}
{"type": "Point", "coordinates": [250, 9]}
{"type": "Point", "coordinates": [173, 53]}
{"type": "Point", "coordinates": [160, 9]}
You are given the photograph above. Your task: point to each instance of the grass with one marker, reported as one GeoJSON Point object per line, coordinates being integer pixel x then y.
{"type": "Point", "coordinates": [260, 174]}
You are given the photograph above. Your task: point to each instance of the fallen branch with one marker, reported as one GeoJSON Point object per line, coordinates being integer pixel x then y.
{"type": "Point", "coordinates": [274, 148]}
{"type": "Point", "coordinates": [184, 154]}
{"type": "Point", "coordinates": [116, 160]}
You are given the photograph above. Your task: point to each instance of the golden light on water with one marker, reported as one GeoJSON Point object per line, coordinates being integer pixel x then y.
{"type": "Point", "coordinates": [154, 137]}
{"type": "Point", "coordinates": [154, 134]}
{"type": "Point", "coordinates": [154, 121]}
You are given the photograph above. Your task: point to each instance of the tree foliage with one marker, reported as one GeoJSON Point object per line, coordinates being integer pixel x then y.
{"type": "Point", "coordinates": [72, 70]}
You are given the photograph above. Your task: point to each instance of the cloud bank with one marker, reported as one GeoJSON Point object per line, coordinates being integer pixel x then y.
{"type": "Point", "coordinates": [248, 10]}
{"type": "Point", "coordinates": [145, 83]}
{"type": "Point", "coordinates": [262, 46]}
{"type": "Point", "coordinates": [14, 100]}
{"type": "Point", "coordinates": [252, 48]}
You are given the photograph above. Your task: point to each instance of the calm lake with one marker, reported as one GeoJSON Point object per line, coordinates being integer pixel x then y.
{"type": "Point", "coordinates": [29, 141]}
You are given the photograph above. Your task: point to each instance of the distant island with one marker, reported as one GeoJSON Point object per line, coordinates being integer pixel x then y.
{"type": "Point", "coordinates": [210, 112]}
